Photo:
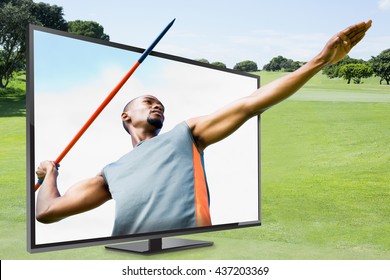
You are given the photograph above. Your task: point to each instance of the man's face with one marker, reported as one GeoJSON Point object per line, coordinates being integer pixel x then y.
{"type": "Point", "coordinates": [146, 110]}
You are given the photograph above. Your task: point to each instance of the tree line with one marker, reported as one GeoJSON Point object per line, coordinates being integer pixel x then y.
{"type": "Point", "coordinates": [355, 70]}
{"type": "Point", "coordinates": [15, 15]}
{"type": "Point", "coordinates": [350, 69]}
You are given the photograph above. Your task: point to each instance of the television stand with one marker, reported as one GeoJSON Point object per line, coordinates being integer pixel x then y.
{"type": "Point", "coordinates": [159, 245]}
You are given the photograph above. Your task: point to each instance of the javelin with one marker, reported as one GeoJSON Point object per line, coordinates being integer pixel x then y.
{"type": "Point", "coordinates": [108, 99]}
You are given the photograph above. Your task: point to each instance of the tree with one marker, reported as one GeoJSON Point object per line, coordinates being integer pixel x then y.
{"type": "Point", "coordinates": [381, 66]}
{"type": "Point", "coordinates": [290, 65]}
{"type": "Point", "coordinates": [88, 28]}
{"type": "Point", "coordinates": [219, 64]}
{"type": "Point", "coordinates": [4, 2]}
{"type": "Point", "coordinates": [332, 71]}
{"type": "Point", "coordinates": [15, 15]}
{"type": "Point", "coordinates": [246, 66]}
{"type": "Point", "coordinates": [203, 60]}
{"type": "Point", "coordinates": [275, 64]}
{"type": "Point", "coordinates": [356, 72]}
{"type": "Point", "coordinates": [50, 16]}
{"type": "Point", "coordinates": [280, 63]}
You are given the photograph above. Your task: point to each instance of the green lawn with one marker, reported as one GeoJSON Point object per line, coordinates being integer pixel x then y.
{"type": "Point", "coordinates": [325, 180]}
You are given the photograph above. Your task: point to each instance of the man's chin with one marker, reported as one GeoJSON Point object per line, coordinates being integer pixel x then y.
{"type": "Point", "coordinates": [156, 122]}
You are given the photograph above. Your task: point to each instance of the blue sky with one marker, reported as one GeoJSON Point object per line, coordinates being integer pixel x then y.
{"type": "Point", "coordinates": [232, 31]}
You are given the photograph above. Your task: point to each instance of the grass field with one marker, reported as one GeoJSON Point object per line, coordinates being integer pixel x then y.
{"type": "Point", "coordinates": [325, 180]}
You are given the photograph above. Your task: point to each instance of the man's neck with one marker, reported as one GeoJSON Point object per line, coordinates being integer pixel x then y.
{"type": "Point", "coordinates": [138, 136]}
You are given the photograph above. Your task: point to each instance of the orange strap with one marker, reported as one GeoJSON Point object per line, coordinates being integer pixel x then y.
{"type": "Point", "coordinates": [201, 197]}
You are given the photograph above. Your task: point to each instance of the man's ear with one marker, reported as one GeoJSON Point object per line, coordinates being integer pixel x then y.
{"type": "Point", "coordinates": [125, 117]}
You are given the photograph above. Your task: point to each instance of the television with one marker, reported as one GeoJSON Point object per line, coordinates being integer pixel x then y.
{"type": "Point", "coordinates": [69, 75]}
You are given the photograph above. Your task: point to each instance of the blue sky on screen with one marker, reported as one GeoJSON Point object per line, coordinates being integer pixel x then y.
{"type": "Point", "coordinates": [63, 63]}
{"type": "Point", "coordinates": [233, 31]}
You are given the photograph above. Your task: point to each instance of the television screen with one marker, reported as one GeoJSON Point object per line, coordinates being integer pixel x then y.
{"type": "Point", "coordinates": [68, 77]}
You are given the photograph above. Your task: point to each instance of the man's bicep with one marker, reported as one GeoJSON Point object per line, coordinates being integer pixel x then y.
{"type": "Point", "coordinates": [82, 197]}
{"type": "Point", "coordinates": [214, 127]}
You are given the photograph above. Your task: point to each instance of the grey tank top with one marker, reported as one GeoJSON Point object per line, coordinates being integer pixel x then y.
{"type": "Point", "coordinates": [153, 185]}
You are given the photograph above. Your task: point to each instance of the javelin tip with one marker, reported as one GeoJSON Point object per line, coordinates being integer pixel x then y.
{"type": "Point", "coordinates": [168, 26]}
{"type": "Point", "coordinates": [148, 50]}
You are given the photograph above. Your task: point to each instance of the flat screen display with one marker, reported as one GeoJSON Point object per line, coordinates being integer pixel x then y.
{"type": "Point", "coordinates": [68, 78]}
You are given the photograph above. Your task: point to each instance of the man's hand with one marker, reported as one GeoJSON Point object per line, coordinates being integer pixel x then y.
{"type": "Point", "coordinates": [44, 168]}
{"type": "Point", "coordinates": [341, 43]}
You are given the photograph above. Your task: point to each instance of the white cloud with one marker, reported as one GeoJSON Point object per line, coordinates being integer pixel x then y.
{"type": "Point", "coordinates": [384, 5]}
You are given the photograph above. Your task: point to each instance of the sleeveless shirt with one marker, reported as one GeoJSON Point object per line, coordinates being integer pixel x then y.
{"type": "Point", "coordinates": [160, 185]}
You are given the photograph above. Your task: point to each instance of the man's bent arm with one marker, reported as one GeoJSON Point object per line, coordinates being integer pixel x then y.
{"type": "Point", "coordinates": [81, 197]}
{"type": "Point", "coordinates": [214, 127]}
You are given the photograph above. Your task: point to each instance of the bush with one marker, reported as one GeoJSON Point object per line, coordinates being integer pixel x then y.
{"type": "Point", "coordinates": [203, 60]}
{"type": "Point", "coordinates": [246, 66]}
{"type": "Point", "coordinates": [219, 64]}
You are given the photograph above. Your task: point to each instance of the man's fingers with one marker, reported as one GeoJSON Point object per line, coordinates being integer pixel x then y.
{"type": "Point", "coordinates": [355, 33]}
{"type": "Point", "coordinates": [357, 38]}
{"type": "Point", "coordinates": [357, 28]}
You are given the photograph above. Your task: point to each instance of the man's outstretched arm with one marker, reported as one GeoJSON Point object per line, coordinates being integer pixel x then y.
{"type": "Point", "coordinates": [214, 127]}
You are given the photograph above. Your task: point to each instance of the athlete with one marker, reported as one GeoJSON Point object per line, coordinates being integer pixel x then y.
{"type": "Point", "coordinates": [160, 185]}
